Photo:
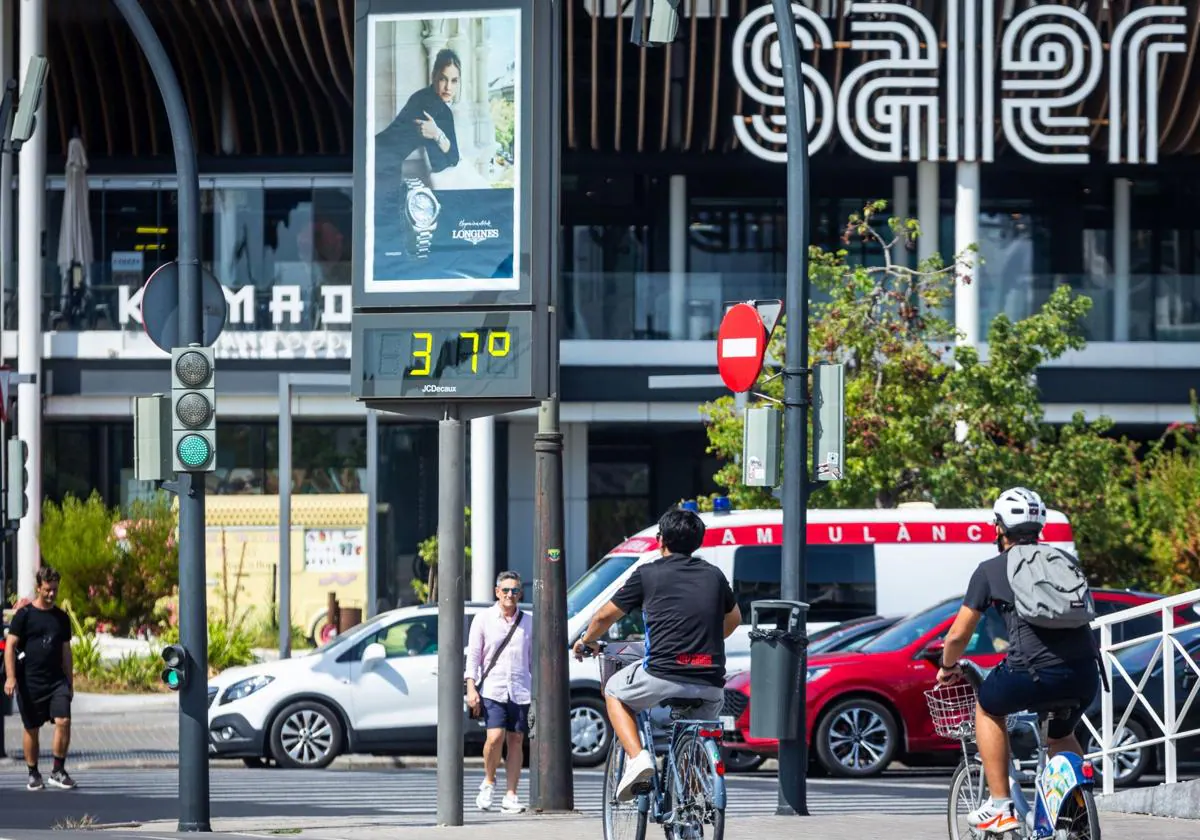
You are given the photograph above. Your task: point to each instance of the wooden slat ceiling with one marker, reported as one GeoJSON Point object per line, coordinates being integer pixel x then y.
{"type": "Point", "coordinates": [281, 72]}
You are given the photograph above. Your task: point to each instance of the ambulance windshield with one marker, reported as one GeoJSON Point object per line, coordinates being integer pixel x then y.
{"type": "Point", "coordinates": [595, 580]}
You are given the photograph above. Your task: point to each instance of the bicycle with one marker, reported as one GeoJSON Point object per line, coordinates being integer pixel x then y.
{"type": "Point", "coordinates": [1065, 804]}
{"type": "Point", "coordinates": [687, 790]}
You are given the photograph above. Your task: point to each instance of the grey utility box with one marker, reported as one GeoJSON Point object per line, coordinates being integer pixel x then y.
{"type": "Point", "coordinates": [760, 447]}
{"type": "Point", "coordinates": [776, 657]}
{"type": "Point", "coordinates": [829, 421]}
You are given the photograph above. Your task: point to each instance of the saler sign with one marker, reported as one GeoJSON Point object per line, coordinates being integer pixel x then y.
{"type": "Point", "coordinates": [1032, 74]}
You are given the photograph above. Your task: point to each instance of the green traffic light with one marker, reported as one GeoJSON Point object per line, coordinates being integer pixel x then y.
{"type": "Point", "coordinates": [194, 450]}
{"type": "Point", "coordinates": [172, 678]}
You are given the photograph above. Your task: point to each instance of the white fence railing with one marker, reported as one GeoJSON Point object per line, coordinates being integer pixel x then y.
{"type": "Point", "coordinates": [1179, 616]}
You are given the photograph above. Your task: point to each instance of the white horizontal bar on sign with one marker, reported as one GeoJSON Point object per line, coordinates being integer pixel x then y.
{"type": "Point", "coordinates": [684, 380]}
{"type": "Point", "coordinates": [739, 348]}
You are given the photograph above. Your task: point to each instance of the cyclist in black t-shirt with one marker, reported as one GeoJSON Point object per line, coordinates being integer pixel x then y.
{"type": "Point", "coordinates": [689, 611]}
{"type": "Point", "coordinates": [44, 683]}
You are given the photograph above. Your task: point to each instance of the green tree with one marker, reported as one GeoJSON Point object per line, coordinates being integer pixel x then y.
{"type": "Point", "coordinates": [1169, 506]}
{"type": "Point", "coordinates": [929, 421]}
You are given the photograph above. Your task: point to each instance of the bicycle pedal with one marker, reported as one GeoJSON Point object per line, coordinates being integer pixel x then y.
{"type": "Point", "coordinates": [640, 788]}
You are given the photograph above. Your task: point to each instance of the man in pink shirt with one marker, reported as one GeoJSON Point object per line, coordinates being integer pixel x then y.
{"type": "Point", "coordinates": [499, 681]}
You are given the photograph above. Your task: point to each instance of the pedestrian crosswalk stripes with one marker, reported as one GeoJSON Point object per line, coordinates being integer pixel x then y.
{"type": "Point", "coordinates": [414, 792]}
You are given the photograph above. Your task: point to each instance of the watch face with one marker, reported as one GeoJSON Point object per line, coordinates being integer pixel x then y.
{"type": "Point", "coordinates": [422, 208]}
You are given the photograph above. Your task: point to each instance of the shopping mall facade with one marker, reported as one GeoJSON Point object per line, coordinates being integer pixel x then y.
{"type": "Point", "coordinates": [1060, 137]}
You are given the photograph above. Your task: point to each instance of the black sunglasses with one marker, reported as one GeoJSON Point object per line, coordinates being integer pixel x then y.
{"type": "Point", "coordinates": [511, 590]}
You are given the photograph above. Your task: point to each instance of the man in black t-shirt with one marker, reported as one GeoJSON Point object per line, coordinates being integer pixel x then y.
{"type": "Point", "coordinates": [1042, 666]}
{"type": "Point", "coordinates": [689, 611]}
{"type": "Point", "coordinates": [43, 680]}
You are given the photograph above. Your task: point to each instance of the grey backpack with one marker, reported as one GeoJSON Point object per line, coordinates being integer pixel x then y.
{"type": "Point", "coordinates": [1049, 588]}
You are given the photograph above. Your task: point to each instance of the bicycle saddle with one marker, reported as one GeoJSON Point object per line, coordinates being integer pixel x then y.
{"type": "Point", "coordinates": [1057, 708]}
{"type": "Point", "coordinates": [684, 703]}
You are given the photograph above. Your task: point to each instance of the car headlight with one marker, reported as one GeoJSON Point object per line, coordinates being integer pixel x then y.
{"type": "Point", "coordinates": [815, 674]}
{"type": "Point", "coordinates": [244, 688]}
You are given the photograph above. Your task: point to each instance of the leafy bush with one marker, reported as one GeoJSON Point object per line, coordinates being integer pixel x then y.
{"type": "Point", "coordinates": [85, 648]}
{"type": "Point", "coordinates": [229, 645]}
{"type": "Point", "coordinates": [133, 672]}
{"type": "Point", "coordinates": [115, 570]}
{"type": "Point", "coordinates": [1169, 506]}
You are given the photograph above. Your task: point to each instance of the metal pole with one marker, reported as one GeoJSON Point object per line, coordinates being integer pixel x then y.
{"type": "Point", "coordinates": [553, 744]}
{"type": "Point", "coordinates": [372, 513]}
{"type": "Point", "coordinates": [193, 610]}
{"type": "Point", "coordinates": [793, 758]}
{"type": "Point", "coordinates": [285, 517]}
{"type": "Point", "coordinates": [6, 173]}
{"type": "Point", "coordinates": [452, 489]}
{"type": "Point", "coordinates": [31, 275]}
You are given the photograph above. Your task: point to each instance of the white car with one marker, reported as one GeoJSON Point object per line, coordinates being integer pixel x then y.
{"type": "Point", "coordinates": [372, 690]}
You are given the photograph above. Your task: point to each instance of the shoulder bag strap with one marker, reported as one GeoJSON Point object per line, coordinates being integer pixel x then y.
{"type": "Point", "coordinates": [499, 650]}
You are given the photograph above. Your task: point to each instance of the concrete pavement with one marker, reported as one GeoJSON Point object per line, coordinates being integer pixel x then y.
{"type": "Point", "coordinates": [555, 827]}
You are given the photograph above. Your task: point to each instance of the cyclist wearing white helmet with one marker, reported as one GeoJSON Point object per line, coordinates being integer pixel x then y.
{"type": "Point", "coordinates": [1052, 654]}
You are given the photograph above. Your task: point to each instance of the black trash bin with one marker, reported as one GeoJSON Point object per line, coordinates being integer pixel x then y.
{"type": "Point", "coordinates": [776, 657]}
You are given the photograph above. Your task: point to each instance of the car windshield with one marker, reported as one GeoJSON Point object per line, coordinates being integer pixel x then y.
{"type": "Point", "coordinates": [904, 633]}
{"type": "Point", "coordinates": [355, 632]}
{"type": "Point", "coordinates": [1135, 659]}
{"type": "Point", "coordinates": [595, 580]}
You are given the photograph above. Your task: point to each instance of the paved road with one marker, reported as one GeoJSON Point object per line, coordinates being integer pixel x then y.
{"type": "Point", "coordinates": [138, 795]}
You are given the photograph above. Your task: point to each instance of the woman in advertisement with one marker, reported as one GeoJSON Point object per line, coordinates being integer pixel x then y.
{"type": "Point", "coordinates": [426, 121]}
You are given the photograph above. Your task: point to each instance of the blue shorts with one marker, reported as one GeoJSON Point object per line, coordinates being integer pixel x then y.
{"type": "Point", "coordinates": [513, 717]}
{"type": "Point", "coordinates": [1007, 691]}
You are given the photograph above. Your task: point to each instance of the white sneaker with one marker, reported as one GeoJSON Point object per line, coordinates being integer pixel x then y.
{"type": "Point", "coordinates": [484, 800]}
{"type": "Point", "coordinates": [994, 820]}
{"type": "Point", "coordinates": [511, 804]}
{"type": "Point", "coordinates": [637, 771]}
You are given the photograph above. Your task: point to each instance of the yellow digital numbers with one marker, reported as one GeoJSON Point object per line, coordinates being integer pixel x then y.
{"type": "Point", "coordinates": [426, 355]}
{"type": "Point", "coordinates": [498, 345]}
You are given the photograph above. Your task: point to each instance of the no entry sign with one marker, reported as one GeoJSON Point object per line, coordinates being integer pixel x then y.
{"type": "Point", "coordinates": [741, 345]}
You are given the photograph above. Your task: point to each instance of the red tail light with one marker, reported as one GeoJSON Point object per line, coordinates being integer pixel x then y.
{"type": "Point", "coordinates": [1088, 771]}
{"type": "Point", "coordinates": [720, 768]}
{"type": "Point", "coordinates": [712, 733]}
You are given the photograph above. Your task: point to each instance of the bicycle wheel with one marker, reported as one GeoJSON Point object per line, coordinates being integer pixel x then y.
{"type": "Point", "coordinates": [699, 799]}
{"type": "Point", "coordinates": [1078, 816]}
{"type": "Point", "coordinates": [622, 820]}
{"type": "Point", "coordinates": [968, 790]}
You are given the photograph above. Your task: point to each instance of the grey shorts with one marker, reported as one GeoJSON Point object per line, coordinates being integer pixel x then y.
{"type": "Point", "coordinates": [640, 691]}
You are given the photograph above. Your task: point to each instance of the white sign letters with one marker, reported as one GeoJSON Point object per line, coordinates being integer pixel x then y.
{"type": "Point", "coordinates": [1050, 60]}
{"type": "Point", "coordinates": [286, 305]}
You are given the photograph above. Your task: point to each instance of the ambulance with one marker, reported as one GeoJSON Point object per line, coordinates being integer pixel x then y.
{"type": "Point", "coordinates": [864, 562]}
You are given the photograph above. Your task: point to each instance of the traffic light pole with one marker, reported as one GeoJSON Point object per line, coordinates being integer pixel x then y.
{"type": "Point", "coordinates": [793, 753]}
{"type": "Point", "coordinates": [193, 611]}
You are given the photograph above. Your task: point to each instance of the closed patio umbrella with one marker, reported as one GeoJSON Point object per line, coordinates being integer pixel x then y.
{"type": "Point", "coordinates": [75, 236]}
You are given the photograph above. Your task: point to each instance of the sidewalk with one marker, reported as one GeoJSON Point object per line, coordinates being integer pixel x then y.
{"type": "Point", "coordinates": [555, 827]}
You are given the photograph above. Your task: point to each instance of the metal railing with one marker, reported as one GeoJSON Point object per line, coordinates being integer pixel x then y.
{"type": "Point", "coordinates": [1169, 654]}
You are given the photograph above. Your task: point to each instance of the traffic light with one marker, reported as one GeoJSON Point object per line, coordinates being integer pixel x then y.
{"type": "Point", "coordinates": [175, 674]}
{"type": "Point", "coordinates": [18, 478]}
{"type": "Point", "coordinates": [193, 409]}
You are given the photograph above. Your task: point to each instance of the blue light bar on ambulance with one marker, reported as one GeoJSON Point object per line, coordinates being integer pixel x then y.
{"type": "Point", "coordinates": [721, 504]}
{"type": "Point", "coordinates": [691, 505]}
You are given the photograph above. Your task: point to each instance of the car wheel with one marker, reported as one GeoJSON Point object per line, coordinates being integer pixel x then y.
{"type": "Point", "coordinates": [1131, 763]}
{"type": "Point", "coordinates": [591, 733]}
{"type": "Point", "coordinates": [741, 761]}
{"type": "Point", "coordinates": [857, 738]}
{"type": "Point", "coordinates": [306, 735]}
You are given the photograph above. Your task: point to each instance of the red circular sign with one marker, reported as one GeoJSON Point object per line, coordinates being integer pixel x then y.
{"type": "Point", "coordinates": [741, 345]}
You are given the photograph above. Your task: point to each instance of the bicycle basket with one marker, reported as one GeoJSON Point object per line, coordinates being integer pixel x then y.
{"type": "Point", "coordinates": [616, 656]}
{"type": "Point", "coordinates": [952, 709]}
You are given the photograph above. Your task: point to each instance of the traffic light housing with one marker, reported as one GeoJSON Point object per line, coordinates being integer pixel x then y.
{"type": "Point", "coordinates": [175, 675]}
{"type": "Point", "coordinates": [18, 478]}
{"type": "Point", "coordinates": [193, 409]}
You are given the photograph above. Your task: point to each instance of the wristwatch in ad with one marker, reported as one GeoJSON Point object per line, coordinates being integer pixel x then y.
{"type": "Point", "coordinates": [422, 208]}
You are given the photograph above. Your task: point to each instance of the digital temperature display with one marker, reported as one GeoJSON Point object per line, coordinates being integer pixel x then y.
{"type": "Point", "coordinates": [455, 355]}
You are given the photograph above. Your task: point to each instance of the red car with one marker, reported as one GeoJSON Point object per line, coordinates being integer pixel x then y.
{"type": "Point", "coordinates": [867, 707]}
